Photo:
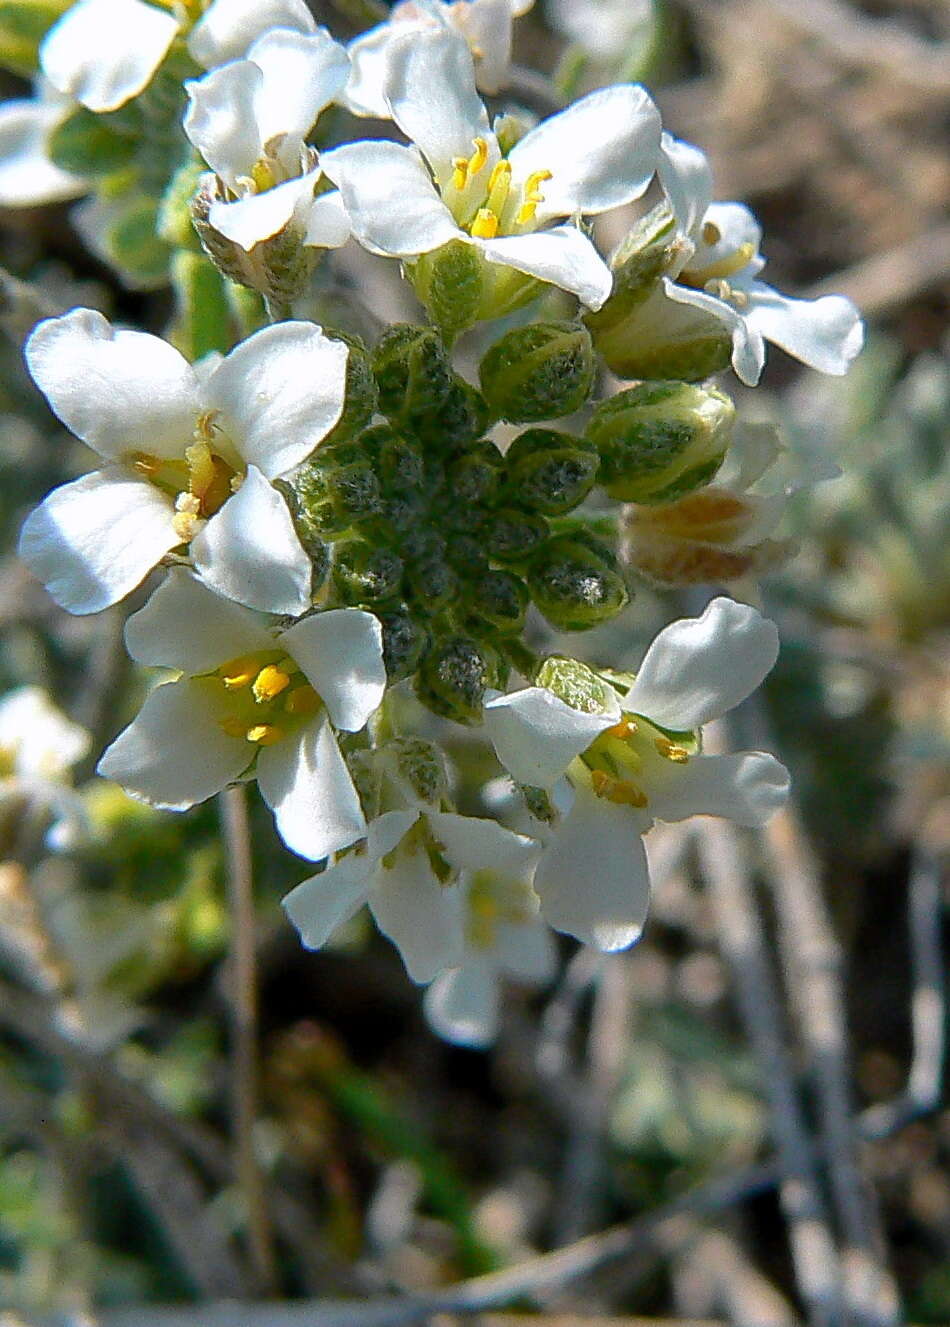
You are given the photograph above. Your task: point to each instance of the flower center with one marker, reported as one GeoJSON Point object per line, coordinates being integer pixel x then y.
{"type": "Point", "coordinates": [491, 207]}
{"type": "Point", "coordinates": [616, 765]}
{"type": "Point", "coordinates": [713, 277]}
{"type": "Point", "coordinates": [495, 900]}
{"type": "Point", "coordinates": [267, 697]}
{"type": "Point", "coordinates": [420, 840]}
{"type": "Point", "coordinates": [200, 482]}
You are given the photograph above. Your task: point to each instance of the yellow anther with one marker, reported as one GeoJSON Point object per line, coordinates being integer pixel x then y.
{"type": "Point", "coordinates": [478, 158]}
{"type": "Point", "coordinates": [264, 734]}
{"type": "Point", "coordinates": [262, 174]}
{"type": "Point", "coordinates": [499, 186]}
{"type": "Point", "coordinates": [532, 196]}
{"type": "Point", "coordinates": [146, 465]}
{"type": "Point", "coordinates": [187, 510]}
{"type": "Point", "coordinates": [501, 172]}
{"type": "Point", "coordinates": [459, 172]}
{"type": "Point", "coordinates": [201, 468]}
{"type": "Point", "coordinates": [620, 791]}
{"type": "Point", "coordinates": [728, 266]}
{"type": "Point", "coordinates": [302, 701]}
{"type": "Point", "coordinates": [239, 672]}
{"type": "Point", "coordinates": [205, 426]}
{"type": "Point", "coordinates": [485, 225]}
{"type": "Point", "coordinates": [625, 728]}
{"type": "Point", "coordinates": [711, 233]}
{"type": "Point", "coordinates": [670, 751]}
{"type": "Point", "coordinates": [269, 683]}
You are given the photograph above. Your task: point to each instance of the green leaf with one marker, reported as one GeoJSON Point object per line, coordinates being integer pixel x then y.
{"type": "Point", "coordinates": [203, 322]}
{"type": "Point", "coordinates": [84, 144]}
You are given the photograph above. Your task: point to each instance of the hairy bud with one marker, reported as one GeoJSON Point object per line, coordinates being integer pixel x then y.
{"type": "Point", "coordinates": [405, 641]}
{"type": "Point", "coordinates": [541, 371]}
{"type": "Point", "coordinates": [574, 585]}
{"type": "Point", "coordinates": [551, 472]}
{"type": "Point", "coordinates": [512, 535]}
{"type": "Point", "coordinates": [364, 573]}
{"type": "Point", "coordinates": [418, 767]}
{"type": "Point", "coordinates": [660, 440]}
{"type": "Point", "coordinates": [359, 403]}
{"type": "Point", "coordinates": [498, 600]}
{"type": "Point", "coordinates": [576, 684]}
{"type": "Point", "coordinates": [454, 676]}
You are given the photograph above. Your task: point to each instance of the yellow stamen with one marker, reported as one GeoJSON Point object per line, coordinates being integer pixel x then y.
{"type": "Point", "coordinates": [728, 266]}
{"type": "Point", "coordinates": [302, 701]}
{"type": "Point", "coordinates": [459, 172]}
{"type": "Point", "coordinates": [485, 225]}
{"type": "Point", "coordinates": [619, 791]}
{"type": "Point", "coordinates": [478, 158]}
{"type": "Point", "coordinates": [239, 672]}
{"type": "Point", "coordinates": [264, 734]}
{"type": "Point", "coordinates": [201, 468]}
{"type": "Point", "coordinates": [262, 174]}
{"type": "Point", "coordinates": [269, 683]}
{"type": "Point", "coordinates": [625, 728]}
{"type": "Point", "coordinates": [187, 511]}
{"type": "Point", "coordinates": [670, 751]}
{"type": "Point", "coordinates": [499, 185]}
{"type": "Point", "coordinates": [711, 233]}
{"type": "Point", "coordinates": [532, 195]}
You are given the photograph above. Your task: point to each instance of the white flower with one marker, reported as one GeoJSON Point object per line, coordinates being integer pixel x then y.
{"type": "Point", "coordinates": [718, 270]}
{"type": "Point", "coordinates": [104, 52]}
{"type": "Point", "coordinates": [253, 701]}
{"type": "Point", "coordinates": [408, 872]}
{"type": "Point", "coordinates": [634, 757]}
{"type": "Point", "coordinates": [456, 183]}
{"type": "Point", "coordinates": [249, 120]}
{"type": "Point", "coordinates": [177, 445]}
{"type": "Point", "coordinates": [38, 748]}
{"type": "Point", "coordinates": [606, 29]}
{"type": "Point", "coordinates": [485, 25]}
{"type": "Point", "coordinates": [228, 28]}
{"type": "Point", "coordinates": [27, 176]}
{"type": "Point", "coordinates": [504, 937]}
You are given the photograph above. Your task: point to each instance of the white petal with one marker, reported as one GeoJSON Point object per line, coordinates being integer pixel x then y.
{"type": "Point", "coordinates": [475, 844]}
{"type": "Point", "coordinates": [748, 788]}
{"type": "Point", "coordinates": [536, 735]}
{"type": "Point", "coordinates": [303, 72]}
{"type": "Point", "coordinates": [119, 392]}
{"type": "Point", "coordinates": [27, 176]}
{"type": "Point", "coordinates": [601, 152]}
{"type": "Point", "coordinates": [322, 903]}
{"type": "Point", "coordinates": [186, 626]}
{"type": "Point", "coordinates": [592, 880]}
{"type": "Point", "coordinates": [341, 653]}
{"type": "Point", "coordinates": [825, 333]}
{"type": "Point", "coordinates": [563, 255]}
{"type": "Point", "coordinates": [387, 830]}
{"type": "Point", "coordinates": [248, 221]}
{"type": "Point", "coordinates": [102, 52]}
{"type": "Point", "coordinates": [686, 176]}
{"type": "Point", "coordinates": [700, 667]}
{"type": "Point", "coordinates": [175, 752]}
{"type": "Point", "coordinates": [462, 1005]}
{"type": "Point", "coordinates": [228, 28]}
{"type": "Point", "coordinates": [735, 225]}
{"type": "Point", "coordinates": [422, 918]}
{"type": "Point", "coordinates": [249, 551]}
{"type": "Point", "coordinates": [393, 206]}
{"type": "Point", "coordinates": [431, 92]}
{"type": "Point", "coordinates": [365, 93]}
{"type": "Point", "coordinates": [305, 782]}
{"type": "Point", "coordinates": [748, 347]}
{"type": "Point", "coordinates": [526, 951]}
{"type": "Point", "coordinates": [328, 223]}
{"type": "Point", "coordinates": [37, 737]}
{"type": "Point", "coordinates": [486, 26]}
{"type": "Point", "coordinates": [279, 393]}
{"type": "Point", "coordinates": [92, 541]}
{"type": "Point", "coordinates": [221, 120]}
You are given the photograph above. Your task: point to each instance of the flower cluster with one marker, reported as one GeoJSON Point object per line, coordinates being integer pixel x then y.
{"type": "Point", "coordinates": [356, 546]}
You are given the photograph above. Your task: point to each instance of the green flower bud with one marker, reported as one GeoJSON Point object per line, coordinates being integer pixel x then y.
{"type": "Point", "coordinates": [412, 371]}
{"type": "Point", "coordinates": [647, 254]}
{"type": "Point", "coordinates": [541, 371]}
{"type": "Point", "coordinates": [433, 585]}
{"type": "Point", "coordinates": [419, 766]}
{"type": "Point", "coordinates": [398, 460]}
{"type": "Point", "coordinates": [405, 641]}
{"type": "Point", "coordinates": [359, 403]}
{"type": "Point", "coordinates": [551, 472]}
{"type": "Point", "coordinates": [454, 676]}
{"type": "Point", "coordinates": [402, 513]}
{"type": "Point", "coordinates": [475, 478]}
{"type": "Point", "coordinates": [424, 544]}
{"type": "Point", "coordinates": [573, 586]}
{"type": "Point", "coordinates": [499, 600]}
{"type": "Point", "coordinates": [365, 573]}
{"type": "Point", "coordinates": [576, 684]}
{"type": "Point", "coordinates": [333, 498]}
{"type": "Point", "coordinates": [466, 553]}
{"type": "Point", "coordinates": [512, 535]}
{"type": "Point", "coordinates": [450, 283]}
{"type": "Point", "coordinates": [660, 440]}
{"type": "Point", "coordinates": [660, 338]}
{"type": "Point", "coordinates": [310, 537]}
{"type": "Point", "coordinates": [174, 214]}
{"type": "Point", "coordinates": [462, 417]}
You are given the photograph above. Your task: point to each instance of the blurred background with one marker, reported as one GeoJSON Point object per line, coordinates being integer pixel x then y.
{"type": "Point", "coordinates": [786, 1001]}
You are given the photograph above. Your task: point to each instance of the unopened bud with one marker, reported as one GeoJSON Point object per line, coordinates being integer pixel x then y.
{"type": "Point", "coordinates": [454, 676]}
{"type": "Point", "coordinates": [412, 371]}
{"type": "Point", "coordinates": [449, 282]}
{"type": "Point", "coordinates": [419, 767]}
{"type": "Point", "coordinates": [475, 478]}
{"type": "Point", "coordinates": [646, 254]}
{"type": "Point", "coordinates": [541, 371]}
{"type": "Point", "coordinates": [551, 472]}
{"type": "Point", "coordinates": [575, 587]}
{"type": "Point", "coordinates": [576, 684]}
{"type": "Point", "coordinates": [661, 338]}
{"type": "Point", "coordinates": [499, 600]}
{"type": "Point", "coordinates": [433, 585]}
{"type": "Point", "coordinates": [512, 535]}
{"type": "Point", "coordinates": [660, 440]}
{"type": "Point", "coordinates": [405, 641]}
{"type": "Point", "coordinates": [364, 573]}
{"type": "Point", "coordinates": [359, 402]}
{"type": "Point", "coordinates": [333, 498]}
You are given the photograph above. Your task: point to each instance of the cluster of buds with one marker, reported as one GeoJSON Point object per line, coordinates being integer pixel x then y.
{"type": "Point", "coordinates": [340, 527]}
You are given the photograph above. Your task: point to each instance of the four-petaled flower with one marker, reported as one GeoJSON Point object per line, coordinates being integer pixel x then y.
{"type": "Point", "coordinates": [717, 271]}
{"type": "Point", "coordinates": [457, 183]}
{"type": "Point", "coordinates": [190, 453]}
{"type": "Point", "coordinates": [252, 701]}
{"type": "Point", "coordinates": [634, 756]}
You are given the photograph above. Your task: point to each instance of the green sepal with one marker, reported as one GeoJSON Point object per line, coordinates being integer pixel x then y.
{"type": "Point", "coordinates": [449, 282]}
{"type": "Point", "coordinates": [575, 586]}
{"type": "Point", "coordinates": [550, 472]}
{"type": "Point", "coordinates": [541, 371]}
{"type": "Point", "coordinates": [203, 321]}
